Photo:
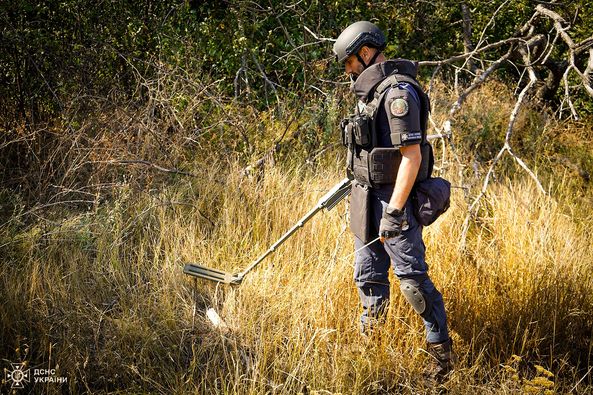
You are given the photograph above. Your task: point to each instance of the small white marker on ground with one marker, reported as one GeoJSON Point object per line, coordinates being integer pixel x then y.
{"type": "Point", "coordinates": [215, 318]}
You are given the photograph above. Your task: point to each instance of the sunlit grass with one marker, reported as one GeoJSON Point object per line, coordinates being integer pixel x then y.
{"type": "Point", "coordinates": [101, 296]}
{"type": "Point", "coordinates": [105, 292]}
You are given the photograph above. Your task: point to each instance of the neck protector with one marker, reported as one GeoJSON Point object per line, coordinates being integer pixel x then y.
{"type": "Point", "coordinates": [366, 82]}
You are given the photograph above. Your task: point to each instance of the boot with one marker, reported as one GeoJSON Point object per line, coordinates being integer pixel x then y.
{"type": "Point", "coordinates": [442, 361]}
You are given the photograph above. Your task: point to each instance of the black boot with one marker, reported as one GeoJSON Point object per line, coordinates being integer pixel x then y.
{"type": "Point", "coordinates": [442, 361]}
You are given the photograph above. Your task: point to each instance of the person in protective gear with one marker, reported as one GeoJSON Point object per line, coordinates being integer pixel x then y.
{"type": "Point", "coordinates": [387, 154]}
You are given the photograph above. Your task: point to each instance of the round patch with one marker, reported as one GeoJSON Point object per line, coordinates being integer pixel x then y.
{"type": "Point", "coordinates": [399, 107]}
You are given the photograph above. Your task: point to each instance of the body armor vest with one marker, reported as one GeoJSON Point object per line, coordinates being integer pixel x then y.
{"type": "Point", "coordinates": [369, 163]}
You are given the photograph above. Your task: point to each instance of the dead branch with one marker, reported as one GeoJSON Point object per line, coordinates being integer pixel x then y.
{"type": "Point", "coordinates": [479, 81]}
{"type": "Point", "coordinates": [589, 66]}
{"type": "Point", "coordinates": [534, 50]}
{"type": "Point", "coordinates": [558, 22]}
{"type": "Point", "coordinates": [149, 164]}
{"type": "Point", "coordinates": [562, 27]}
{"type": "Point", "coordinates": [319, 40]}
{"type": "Point", "coordinates": [567, 93]}
{"type": "Point", "coordinates": [506, 148]}
{"type": "Point", "coordinates": [486, 48]}
{"type": "Point", "coordinates": [317, 37]}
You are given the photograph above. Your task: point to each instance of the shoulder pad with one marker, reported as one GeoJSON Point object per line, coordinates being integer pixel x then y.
{"type": "Point", "coordinates": [403, 113]}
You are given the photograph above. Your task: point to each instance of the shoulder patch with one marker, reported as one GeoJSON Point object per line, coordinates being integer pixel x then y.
{"type": "Point", "coordinates": [399, 107]}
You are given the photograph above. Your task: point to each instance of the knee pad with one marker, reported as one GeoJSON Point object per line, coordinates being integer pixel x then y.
{"type": "Point", "coordinates": [413, 293]}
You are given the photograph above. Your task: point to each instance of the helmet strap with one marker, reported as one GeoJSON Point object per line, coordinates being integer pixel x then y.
{"type": "Point", "coordinates": [361, 60]}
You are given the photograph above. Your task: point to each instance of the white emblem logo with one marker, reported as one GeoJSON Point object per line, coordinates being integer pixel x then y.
{"type": "Point", "coordinates": [18, 376]}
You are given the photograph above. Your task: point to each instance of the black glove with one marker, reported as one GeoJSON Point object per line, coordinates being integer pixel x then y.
{"type": "Point", "coordinates": [392, 223]}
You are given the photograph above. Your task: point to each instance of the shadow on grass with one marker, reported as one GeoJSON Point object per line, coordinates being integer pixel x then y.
{"type": "Point", "coordinates": [138, 337]}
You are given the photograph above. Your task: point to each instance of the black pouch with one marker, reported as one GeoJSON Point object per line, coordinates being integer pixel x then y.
{"type": "Point", "coordinates": [384, 164]}
{"type": "Point", "coordinates": [359, 212]}
{"type": "Point", "coordinates": [431, 198]}
{"type": "Point", "coordinates": [346, 128]}
{"type": "Point", "coordinates": [361, 130]}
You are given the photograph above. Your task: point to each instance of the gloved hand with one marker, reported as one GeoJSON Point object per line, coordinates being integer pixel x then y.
{"type": "Point", "coordinates": [392, 223]}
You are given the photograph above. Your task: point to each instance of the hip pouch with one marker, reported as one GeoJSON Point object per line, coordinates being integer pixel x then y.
{"type": "Point", "coordinates": [430, 199]}
{"type": "Point", "coordinates": [359, 212]}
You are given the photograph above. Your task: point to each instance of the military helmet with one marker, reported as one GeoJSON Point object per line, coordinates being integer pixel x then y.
{"type": "Point", "coordinates": [355, 36]}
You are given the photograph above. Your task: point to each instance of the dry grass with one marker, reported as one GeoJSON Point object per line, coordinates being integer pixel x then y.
{"type": "Point", "coordinates": [103, 299]}
{"type": "Point", "coordinates": [101, 296]}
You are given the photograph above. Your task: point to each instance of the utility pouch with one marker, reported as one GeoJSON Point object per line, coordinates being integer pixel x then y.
{"type": "Point", "coordinates": [346, 128]}
{"type": "Point", "coordinates": [359, 212]}
{"type": "Point", "coordinates": [356, 130]}
{"type": "Point", "coordinates": [430, 199]}
{"type": "Point", "coordinates": [362, 130]}
{"type": "Point", "coordinates": [360, 166]}
{"type": "Point", "coordinates": [383, 165]}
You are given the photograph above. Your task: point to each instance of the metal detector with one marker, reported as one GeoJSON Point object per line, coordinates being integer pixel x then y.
{"type": "Point", "coordinates": [328, 201]}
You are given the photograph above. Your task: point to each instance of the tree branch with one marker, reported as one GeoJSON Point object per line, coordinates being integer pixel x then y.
{"type": "Point", "coordinates": [148, 164]}
{"type": "Point", "coordinates": [506, 148]}
{"type": "Point", "coordinates": [559, 23]}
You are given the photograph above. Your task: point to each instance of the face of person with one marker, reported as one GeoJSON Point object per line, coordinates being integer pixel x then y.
{"type": "Point", "coordinates": [353, 67]}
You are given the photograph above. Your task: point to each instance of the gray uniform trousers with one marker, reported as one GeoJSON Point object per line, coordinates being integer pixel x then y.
{"type": "Point", "coordinates": [406, 252]}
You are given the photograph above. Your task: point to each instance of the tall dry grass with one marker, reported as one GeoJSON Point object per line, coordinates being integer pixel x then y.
{"type": "Point", "coordinates": [102, 298]}
{"type": "Point", "coordinates": [100, 295]}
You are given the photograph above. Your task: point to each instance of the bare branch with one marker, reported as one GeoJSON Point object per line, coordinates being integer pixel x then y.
{"type": "Point", "coordinates": [567, 93]}
{"type": "Point", "coordinates": [463, 56]}
{"type": "Point", "coordinates": [317, 37]}
{"type": "Point", "coordinates": [589, 67]}
{"type": "Point", "coordinates": [583, 45]}
{"type": "Point", "coordinates": [506, 148]}
{"type": "Point", "coordinates": [146, 163]}
{"type": "Point", "coordinates": [529, 171]}
{"type": "Point", "coordinates": [562, 27]}
{"type": "Point", "coordinates": [558, 22]}
{"type": "Point", "coordinates": [479, 81]}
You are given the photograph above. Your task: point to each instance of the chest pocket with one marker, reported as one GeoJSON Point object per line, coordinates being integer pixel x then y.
{"type": "Point", "coordinates": [357, 129]}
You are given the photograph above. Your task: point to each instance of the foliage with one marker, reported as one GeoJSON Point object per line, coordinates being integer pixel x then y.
{"type": "Point", "coordinates": [72, 71]}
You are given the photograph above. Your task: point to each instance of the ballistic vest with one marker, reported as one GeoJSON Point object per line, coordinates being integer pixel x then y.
{"type": "Point", "coordinates": [369, 163]}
